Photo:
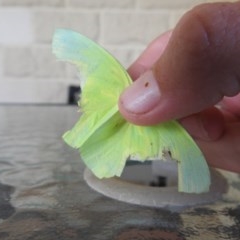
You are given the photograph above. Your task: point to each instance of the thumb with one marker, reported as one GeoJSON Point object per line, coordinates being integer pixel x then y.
{"type": "Point", "coordinates": [199, 66]}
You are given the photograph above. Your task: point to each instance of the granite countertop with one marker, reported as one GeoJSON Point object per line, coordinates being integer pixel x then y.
{"type": "Point", "coordinates": [43, 194]}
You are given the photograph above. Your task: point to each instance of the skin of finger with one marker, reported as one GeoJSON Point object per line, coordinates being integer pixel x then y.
{"type": "Point", "coordinates": [229, 117]}
{"type": "Point", "coordinates": [149, 56]}
{"type": "Point", "coordinates": [232, 104]}
{"type": "Point", "coordinates": [207, 125]}
{"type": "Point", "coordinates": [197, 68]}
{"type": "Point", "coordinates": [224, 153]}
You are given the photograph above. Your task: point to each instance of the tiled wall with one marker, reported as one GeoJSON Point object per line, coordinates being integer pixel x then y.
{"type": "Point", "coordinates": [29, 72]}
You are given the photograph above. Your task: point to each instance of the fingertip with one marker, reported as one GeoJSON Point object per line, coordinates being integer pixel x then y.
{"type": "Point", "coordinates": [140, 99]}
{"type": "Point", "coordinates": [143, 102]}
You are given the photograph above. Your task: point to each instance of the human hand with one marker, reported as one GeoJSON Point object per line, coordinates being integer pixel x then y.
{"type": "Point", "coordinates": [184, 76]}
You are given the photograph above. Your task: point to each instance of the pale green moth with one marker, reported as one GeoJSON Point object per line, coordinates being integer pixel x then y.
{"type": "Point", "coordinates": [106, 140]}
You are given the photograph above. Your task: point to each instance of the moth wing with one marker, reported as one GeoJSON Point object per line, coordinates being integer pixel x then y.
{"type": "Point", "coordinates": [102, 81]}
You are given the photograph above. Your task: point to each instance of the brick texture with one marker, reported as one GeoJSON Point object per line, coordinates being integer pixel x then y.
{"type": "Point", "coordinates": [29, 91]}
{"type": "Point", "coordinates": [153, 4]}
{"type": "Point", "coordinates": [18, 62]}
{"type": "Point", "coordinates": [169, 4]}
{"type": "Point", "coordinates": [101, 3]}
{"type": "Point", "coordinates": [45, 23]}
{"type": "Point", "coordinates": [28, 70]}
{"type": "Point", "coordinates": [30, 3]}
{"type": "Point", "coordinates": [46, 65]}
{"type": "Point", "coordinates": [28, 62]}
{"type": "Point", "coordinates": [133, 28]}
{"type": "Point", "coordinates": [16, 26]}
{"type": "Point", "coordinates": [1, 62]}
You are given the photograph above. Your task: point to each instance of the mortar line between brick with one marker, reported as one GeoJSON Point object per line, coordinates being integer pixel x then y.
{"type": "Point", "coordinates": [97, 10]}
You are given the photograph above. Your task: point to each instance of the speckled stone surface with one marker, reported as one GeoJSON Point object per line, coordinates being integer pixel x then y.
{"type": "Point", "coordinates": [43, 195]}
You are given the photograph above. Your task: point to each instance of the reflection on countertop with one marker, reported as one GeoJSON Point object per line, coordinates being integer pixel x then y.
{"type": "Point", "coordinates": [43, 194]}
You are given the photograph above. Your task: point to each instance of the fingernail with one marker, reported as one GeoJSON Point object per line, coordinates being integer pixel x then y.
{"type": "Point", "coordinates": [142, 96]}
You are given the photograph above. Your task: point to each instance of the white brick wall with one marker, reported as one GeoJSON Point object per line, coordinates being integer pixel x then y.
{"type": "Point", "coordinates": [133, 28]}
{"type": "Point", "coordinates": [90, 4]}
{"type": "Point", "coordinates": [16, 26]}
{"type": "Point", "coordinates": [29, 73]}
